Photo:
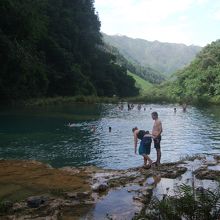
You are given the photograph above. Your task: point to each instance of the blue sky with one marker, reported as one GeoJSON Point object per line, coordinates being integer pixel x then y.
{"type": "Point", "coordinates": [194, 22]}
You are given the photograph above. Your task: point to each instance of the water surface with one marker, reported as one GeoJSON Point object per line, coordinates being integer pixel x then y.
{"type": "Point", "coordinates": [42, 134]}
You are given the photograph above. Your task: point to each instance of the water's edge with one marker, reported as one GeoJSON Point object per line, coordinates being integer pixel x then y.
{"type": "Point", "coordinates": [30, 189]}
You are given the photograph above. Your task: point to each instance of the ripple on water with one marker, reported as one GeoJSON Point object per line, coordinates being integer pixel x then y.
{"type": "Point", "coordinates": [34, 134]}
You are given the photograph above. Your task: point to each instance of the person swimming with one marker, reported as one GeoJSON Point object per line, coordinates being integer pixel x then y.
{"type": "Point", "coordinates": [93, 128]}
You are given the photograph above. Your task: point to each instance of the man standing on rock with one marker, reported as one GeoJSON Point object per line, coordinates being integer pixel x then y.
{"type": "Point", "coordinates": [156, 133]}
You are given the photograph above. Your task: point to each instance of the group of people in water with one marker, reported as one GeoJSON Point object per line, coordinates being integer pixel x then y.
{"type": "Point", "coordinates": [131, 106]}
{"type": "Point", "coordinates": [146, 139]}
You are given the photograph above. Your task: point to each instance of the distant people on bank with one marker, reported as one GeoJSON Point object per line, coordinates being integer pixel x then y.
{"type": "Point", "coordinates": [110, 129]}
{"type": "Point", "coordinates": [145, 145]}
{"type": "Point", "coordinates": [156, 133]}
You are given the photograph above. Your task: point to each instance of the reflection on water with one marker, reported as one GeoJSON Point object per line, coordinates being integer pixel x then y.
{"type": "Point", "coordinates": [64, 135]}
{"type": "Point", "coordinates": [170, 187]}
{"type": "Point", "coordinates": [117, 204]}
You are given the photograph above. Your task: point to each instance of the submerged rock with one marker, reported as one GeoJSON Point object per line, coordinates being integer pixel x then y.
{"type": "Point", "coordinates": [78, 195]}
{"type": "Point", "coordinates": [100, 187]}
{"type": "Point", "coordinates": [35, 201]}
{"type": "Point", "coordinates": [207, 174]}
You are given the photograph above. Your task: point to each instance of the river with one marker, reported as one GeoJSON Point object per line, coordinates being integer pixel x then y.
{"type": "Point", "coordinates": [44, 134]}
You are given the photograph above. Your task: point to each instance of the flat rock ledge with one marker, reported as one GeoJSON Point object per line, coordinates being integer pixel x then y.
{"type": "Point", "coordinates": [33, 190]}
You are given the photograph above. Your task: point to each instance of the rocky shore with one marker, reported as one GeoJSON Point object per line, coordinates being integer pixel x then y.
{"type": "Point", "coordinates": [33, 190]}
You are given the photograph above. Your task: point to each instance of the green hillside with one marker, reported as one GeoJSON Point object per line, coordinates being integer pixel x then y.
{"type": "Point", "coordinates": [146, 73]}
{"type": "Point", "coordinates": [201, 79]}
{"type": "Point", "coordinates": [163, 57]}
{"type": "Point", "coordinates": [144, 85]}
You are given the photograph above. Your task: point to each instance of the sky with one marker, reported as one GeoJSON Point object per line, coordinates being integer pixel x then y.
{"type": "Point", "coordinates": [191, 22]}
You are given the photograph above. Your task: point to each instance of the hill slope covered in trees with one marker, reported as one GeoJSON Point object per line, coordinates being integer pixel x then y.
{"type": "Point", "coordinates": [54, 47]}
{"type": "Point", "coordinates": [163, 57]}
{"type": "Point", "coordinates": [145, 73]}
{"type": "Point", "coordinates": [201, 79]}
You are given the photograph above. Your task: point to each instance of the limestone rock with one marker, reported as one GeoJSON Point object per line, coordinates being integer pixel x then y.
{"type": "Point", "coordinates": [35, 201]}
{"type": "Point", "coordinates": [100, 187]}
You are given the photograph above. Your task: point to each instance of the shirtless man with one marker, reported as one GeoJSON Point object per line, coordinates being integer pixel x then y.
{"type": "Point", "coordinates": [156, 133]}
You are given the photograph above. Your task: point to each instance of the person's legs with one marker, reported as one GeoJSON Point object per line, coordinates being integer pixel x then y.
{"type": "Point", "coordinates": [157, 146]}
{"type": "Point", "coordinates": [147, 159]}
{"type": "Point", "coordinates": [158, 155]}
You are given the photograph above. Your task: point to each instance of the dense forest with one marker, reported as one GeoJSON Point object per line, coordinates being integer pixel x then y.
{"type": "Point", "coordinates": [165, 58]}
{"type": "Point", "coordinates": [55, 48]}
{"type": "Point", "coordinates": [201, 79]}
{"type": "Point", "coordinates": [197, 83]}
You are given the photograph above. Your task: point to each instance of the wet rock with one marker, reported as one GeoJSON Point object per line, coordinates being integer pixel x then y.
{"type": "Point", "coordinates": [19, 206]}
{"type": "Point", "coordinates": [78, 195]}
{"type": "Point", "coordinates": [100, 180]}
{"type": "Point", "coordinates": [71, 170]}
{"type": "Point", "coordinates": [35, 201]}
{"type": "Point", "coordinates": [200, 189]}
{"type": "Point", "coordinates": [207, 174]}
{"type": "Point", "coordinates": [100, 187]}
{"type": "Point", "coordinates": [203, 166]}
{"type": "Point", "coordinates": [217, 157]}
{"type": "Point", "coordinates": [173, 173]}
{"type": "Point", "coordinates": [145, 192]}
{"type": "Point", "coordinates": [140, 183]}
{"type": "Point", "coordinates": [138, 198]}
{"type": "Point", "coordinates": [211, 163]}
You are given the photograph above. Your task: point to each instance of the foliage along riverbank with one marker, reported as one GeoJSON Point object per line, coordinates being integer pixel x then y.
{"type": "Point", "coordinates": [165, 93]}
{"type": "Point", "coordinates": [59, 100]}
{"type": "Point", "coordinates": [55, 48]}
{"type": "Point", "coordinates": [196, 84]}
{"type": "Point", "coordinates": [155, 95]}
{"type": "Point", "coordinates": [34, 190]}
{"type": "Point", "coordinates": [199, 82]}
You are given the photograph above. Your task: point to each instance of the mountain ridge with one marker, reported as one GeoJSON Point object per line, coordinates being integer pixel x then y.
{"type": "Point", "coordinates": [161, 56]}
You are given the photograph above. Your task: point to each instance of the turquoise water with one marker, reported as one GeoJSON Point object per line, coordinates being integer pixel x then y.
{"type": "Point", "coordinates": [43, 134]}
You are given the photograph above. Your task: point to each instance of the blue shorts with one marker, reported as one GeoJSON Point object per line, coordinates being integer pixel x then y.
{"type": "Point", "coordinates": [144, 149]}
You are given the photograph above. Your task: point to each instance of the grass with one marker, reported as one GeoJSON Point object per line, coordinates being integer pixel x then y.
{"type": "Point", "coordinates": [144, 85]}
{"type": "Point", "coordinates": [188, 203]}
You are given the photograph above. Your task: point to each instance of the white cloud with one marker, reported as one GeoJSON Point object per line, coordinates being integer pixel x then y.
{"type": "Point", "coordinates": [164, 20]}
{"type": "Point", "coordinates": [216, 15]}
{"type": "Point", "coordinates": [142, 10]}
